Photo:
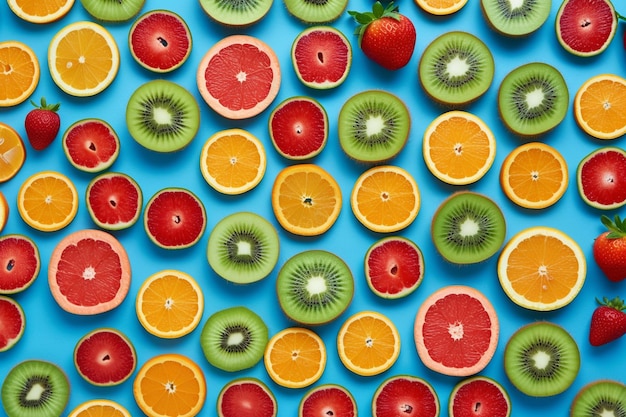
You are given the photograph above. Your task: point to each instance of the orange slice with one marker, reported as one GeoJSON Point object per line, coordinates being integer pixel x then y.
{"type": "Point", "coordinates": [441, 7]}
{"type": "Point", "coordinates": [20, 72]}
{"type": "Point", "coordinates": [99, 408]}
{"type": "Point", "coordinates": [458, 148]}
{"type": "Point", "coordinates": [541, 268]}
{"type": "Point", "coordinates": [83, 58]}
{"type": "Point", "coordinates": [534, 175]}
{"type": "Point", "coordinates": [600, 106]}
{"type": "Point", "coordinates": [12, 152]}
{"type": "Point", "coordinates": [295, 357]}
{"type": "Point", "coordinates": [170, 384]}
{"type": "Point", "coordinates": [4, 211]}
{"type": "Point", "coordinates": [233, 161]}
{"type": "Point", "coordinates": [385, 199]}
{"type": "Point", "coordinates": [47, 201]}
{"type": "Point", "coordinates": [306, 199]}
{"type": "Point", "coordinates": [368, 343]}
{"type": "Point", "coordinates": [37, 11]}
{"type": "Point", "coordinates": [169, 304]}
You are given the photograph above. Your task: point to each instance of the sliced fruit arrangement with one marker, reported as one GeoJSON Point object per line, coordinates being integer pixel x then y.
{"type": "Point", "coordinates": [101, 407]}
{"type": "Point", "coordinates": [314, 12]}
{"type": "Point", "coordinates": [402, 394]}
{"type": "Point", "coordinates": [586, 27]}
{"type": "Point", "coordinates": [608, 321]}
{"type": "Point", "coordinates": [329, 399]}
{"type": "Point", "coordinates": [42, 124]}
{"type": "Point", "coordinates": [234, 13]}
{"type": "Point", "coordinates": [111, 12]}
{"type": "Point", "coordinates": [515, 19]}
{"type": "Point", "coordinates": [601, 176]}
{"type": "Point", "coordinates": [609, 249]}
{"type": "Point", "coordinates": [600, 106]}
{"type": "Point", "coordinates": [246, 396]}
{"type": "Point", "coordinates": [21, 263]}
{"type": "Point", "coordinates": [479, 394]}
{"type": "Point", "coordinates": [40, 12]}
{"type": "Point", "coordinates": [605, 395]}
{"type": "Point", "coordinates": [114, 200]}
{"type": "Point", "coordinates": [21, 74]}
{"type": "Point", "coordinates": [91, 145]}
{"type": "Point", "coordinates": [12, 322]}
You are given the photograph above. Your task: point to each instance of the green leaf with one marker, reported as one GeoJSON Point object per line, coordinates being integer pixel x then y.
{"type": "Point", "coordinates": [378, 9]}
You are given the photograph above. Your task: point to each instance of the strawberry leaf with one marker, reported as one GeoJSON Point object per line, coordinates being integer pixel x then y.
{"type": "Point", "coordinates": [616, 227]}
{"type": "Point", "coordinates": [617, 303]}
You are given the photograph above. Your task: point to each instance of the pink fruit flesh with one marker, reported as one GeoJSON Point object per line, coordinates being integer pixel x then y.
{"type": "Point", "coordinates": [328, 401]}
{"type": "Point", "coordinates": [587, 25]}
{"type": "Point", "coordinates": [19, 263]}
{"type": "Point", "coordinates": [114, 200]}
{"type": "Point", "coordinates": [247, 398]}
{"type": "Point", "coordinates": [105, 358]}
{"type": "Point", "coordinates": [175, 218]}
{"type": "Point", "coordinates": [92, 145]}
{"type": "Point", "coordinates": [394, 267]}
{"type": "Point", "coordinates": [321, 57]}
{"type": "Point", "coordinates": [299, 128]}
{"type": "Point", "coordinates": [480, 398]}
{"type": "Point", "coordinates": [603, 178]}
{"type": "Point", "coordinates": [11, 323]}
{"type": "Point", "coordinates": [405, 396]}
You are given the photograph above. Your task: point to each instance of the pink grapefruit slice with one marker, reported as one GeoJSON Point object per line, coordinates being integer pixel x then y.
{"type": "Point", "coordinates": [114, 200]}
{"type": "Point", "coordinates": [601, 178]}
{"type": "Point", "coordinates": [89, 272]}
{"type": "Point", "coordinates": [239, 76]}
{"type": "Point", "coordinates": [19, 263]}
{"type": "Point", "coordinates": [456, 331]}
{"type": "Point", "coordinates": [586, 27]}
{"type": "Point", "coordinates": [327, 400]}
{"type": "Point", "coordinates": [91, 145]}
{"type": "Point", "coordinates": [246, 396]}
{"type": "Point", "coordinates": [405, 395]}
{"type": "Point", "coordinates": [479, 396]}
{"type": "Point", "coordinates": [12, 323]}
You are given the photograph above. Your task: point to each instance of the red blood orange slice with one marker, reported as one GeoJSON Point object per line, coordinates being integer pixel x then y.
{"type": "Point", "coordinates": [405, 395]}
{"type": "Point", "coordinates": [456, 331]}
{"type": "Point", "coordinates": [327, 400]}
{"type": "Point", "coordinates": [321, 57]}
{"type": "Point", "coordinates": [12, 323]}
{"type": "Point", "coordinates": [114, 200]}
{"type": "Point", "coordinates": [89, 272]}
{"type": "Point", "coordinates": [105, 357]}
{"type": "Point", "coordinates": [299, 128]}
{"type": "Point", "coordinates": [246, 397]}
{"type": "Point", "coordinates": [586, 27]}
{"type": "Point", "coordinates": [20, 263]}
{"type": "Point", "coordinates": [239, 76]}
{"type": "Point", "coordinates": [479, 396]}
{"type": "Point", "coordinates": [91, 145]}
{"type": "Point", "coordinates": [601, 178]}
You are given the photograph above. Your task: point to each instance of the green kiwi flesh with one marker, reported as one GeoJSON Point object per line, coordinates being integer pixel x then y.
{"type": "Point", "coordinates": [516, 18]}
{"type": "Point", "coordinates": [373, 126]}
{"type": "Point", "coordinates": [600, 398]}
{"type": "Point", "coordinates": [533, 99]}
{"type": "Point", "coordinates": [456, 68]}
{"type": "Point", "coordinates": [243, 248]}
{"type": "Point", "coordinates": [468, 228]}
{"type": "Point", "coordinates": [162, 116]}
{"type": "Point", "coordinates": [314, 287]}
{"type": "Point", "coordinates": [316, 11]}
{"type": "Point", "coordinates": [35, 388]}
{"type": "Point", "coordinates": [541, 359]}
{"type": "Point", "coordinates": [113, 10]}
{"type": "Point", "coordinates": [234, 339]}
{"type": "Point", "coordinates": [236, 12]}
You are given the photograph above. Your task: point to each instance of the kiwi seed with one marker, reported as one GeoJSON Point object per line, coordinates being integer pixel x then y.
{"type": "Point", "coordinates": [236, 12]}
{"type": "Point", "coordinates": [316, 11]}
{"type": "Point", "coordinates": [516, 18]}
{"type": "Point", "coordinates": [113, 10]}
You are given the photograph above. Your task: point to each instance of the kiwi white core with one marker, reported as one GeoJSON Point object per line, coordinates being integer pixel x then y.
{"type": "Point", "coordinates": [535, 98]}
{"type": "Point", "coordinates": [35, 393]}
{"type": "Point", "coordinates": [541, 360]}
{"type": "Point", "coordinates": [468, 228]}
{"type": "Point", "coordinates": [244, 249]}
{"type": "Point", "coordinates": [162, 116]}
{"type": "Point", "coordinates": [316, 285]}
{"type": "Point", "coordinates": [235, 339]}
{"type": "Point", "coordinates": [457, 67]}
{"type": "Point", "coordinates": [516, 4]}
{"type": "Point", "coordinates": [374, 125]}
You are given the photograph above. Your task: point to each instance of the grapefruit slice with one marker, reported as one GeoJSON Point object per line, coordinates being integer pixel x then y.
{"type": "Point", "coordinates": [12, 323]}
{"type": "Point", "coordinates": [91, 145]}
{"type": "Point", "coordinates": [239, 76]}
{"type": "Point", "coordinates": [405, 395]}
{"type": "Point", "coordinates": [456, 331]}
{"type": "Point", "coordinates": [601, 178]}
{"type": "Point", "coordinates": [89, 272]}
{"type": "Point", "coordinates": [586, 27]}
{"type": "Point", "coordinates": [479, 395]}
{"type": "Point", "coordinates": [246, 397]}
{"type": "Point", "coordinates": [20, 263]}
{"type": "Point", "coordinates": [327, 400]}
{"type": "Point", "coordinates": [113, 200]}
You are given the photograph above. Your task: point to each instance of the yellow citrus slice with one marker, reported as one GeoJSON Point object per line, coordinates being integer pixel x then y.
{"type": "Point", "coordinates": [600, 106]}
{"type": "Point", "coordinates": [169, 304]}
{"type": "Point", "coordinates": [47, 201]}
{"type": "Point", "coordinates": [12, 152]}
{"type": "Point", "coordinates": [458, 148]}
{"type": "Point", "coordinates": [541, 268]}
{"type": "Point", "coordinates": [534, 175]}
{"type": "Point", "coordinates": [83, 58]}
{"type": "Point", "coordinates": [99, 408]}
{"type": "Point", "coordinates": [233, 161]}
{"type": "Point", "coordinates": [20, 72]}
{"type": "Point", "coordinates": [368, 343]}
{"type": "Point", "coordinates": [38, 11]}
{"type": "Point", "coordinates": [306, 199]}
{"type": "Point", "coordinates": [441, 7]}
{"type": "Point", "coordinates": [4, 211]}
{"type": "Point", "coordinates": [385, 199]}
{"type": "Point", "coordinates": [170, 384]}
{"type": "Point", "coordinates": [295, 357]}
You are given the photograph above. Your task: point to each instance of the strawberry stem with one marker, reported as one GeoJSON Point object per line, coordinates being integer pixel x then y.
{"type": "Point", "coordinates": [616, 303]}
{"type": "Point", "coordinates": [616, 227]}
{"type": "Point", "coordinates": [45, 106]}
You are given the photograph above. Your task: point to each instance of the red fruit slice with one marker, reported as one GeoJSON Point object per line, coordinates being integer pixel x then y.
{"type": "Point", "coordinates": [105, 357]}
{"type": "Point", "coordinates": [327, 400]}
{"type": "Point", "coordinates": [394, 267]}
{"type": "Point", "coordinates": [246, 397]}
{"type": "Point", "coordinates": [114, 201]}
{"type": "Point", "coordinates": [91, 145]}
{"type": "Point", "coordinates": [601, 178]}
{"type": "Point", "coordinates": [89, 272]}
{"type": "Point", "coordinates": [160, 41]}
{"type": "Point", "coordinates": [12, 323]}
{"type": "Point", "coordinates": [479, 396]}
{"type": "Point", "coordinates": [321, 57]}
{"type": "Point", "coordinates": [405, 395]}
{"type": "Point", "coordinates": [586, 27]}
{"type": "Point", "coordinates": [174, 218]}
{"type": "Point", "coordinates": [456, 331]}
{"type": "Point", "coordinates": [19, 263]}
{"type": "Point", "coordinates": [239, 76]}
{"type": "Point", "coordinates": [299, 128]}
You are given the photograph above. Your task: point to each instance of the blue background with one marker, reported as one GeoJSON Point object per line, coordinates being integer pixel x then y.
{"type": "Point", "coordinates": [51, 333]}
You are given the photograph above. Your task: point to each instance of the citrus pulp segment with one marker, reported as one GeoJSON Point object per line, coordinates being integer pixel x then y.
{"type": "Point", "coordinates": [35, 11]}
{"type": "Point", "coordinates": [441, 7]}
{"type": "Point", "coordinates": [20, 75]}
{"type": "Point", "coordinates": [13, 322]}
{"type": "Point", "coordinates": [600, 106]}
{"type": "Point", "coordinates": [246, 396]}
{"type": "Point", "coordinates": [19, 256]}
{"type": "Point", "coordinates": [400, 394]}
{"type": "Point", "coordinates": [100, 408]}
{"type": "Point", "coordinates": [91, 145]}
{"type": "Point", "coordinates": [600, 178]}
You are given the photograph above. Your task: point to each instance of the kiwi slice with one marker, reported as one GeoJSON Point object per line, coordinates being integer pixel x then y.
{"type": "Point", "coordinates": [316, 11]}
{"type": "Point", "coordinates": [468, 228]}
{"type": "Point", "coordinates": [234, 339]}
{"type": "Point", "coordinates": [236, 12]}
{"type": "Point", "coordinates": [314, 287]}
{"type": "Point", "coordinates": [541, 359]}
{"type": "Point", "coordinates": [162, 116]}
{"type": "Point", "coordinates": [35, 388]}
{"type": "Point", "coordinates": [516, 17]}
{"type": "Point", "coordinates": [533, 99]}
{"type": "Point", "coordinates": [113, 10]}
{"type": "Point", "coordinates": [456, 68]}
{"type": "Point", "coordinates": [600, 398]}
{"type": "Point", "coordinates": [243, 248]}
{"type": "Point", "coordinates": [373, 126]}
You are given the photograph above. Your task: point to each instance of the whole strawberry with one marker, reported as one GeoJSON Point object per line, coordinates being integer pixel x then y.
{"type": "Point", "coordinates": [385, 36]}
{"type": "Point", "coordinates": [42, 124]}
{"type": "Point", "coordinates": [609, 249]}
{"type": "Point", "coordinates": [608, 321]}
